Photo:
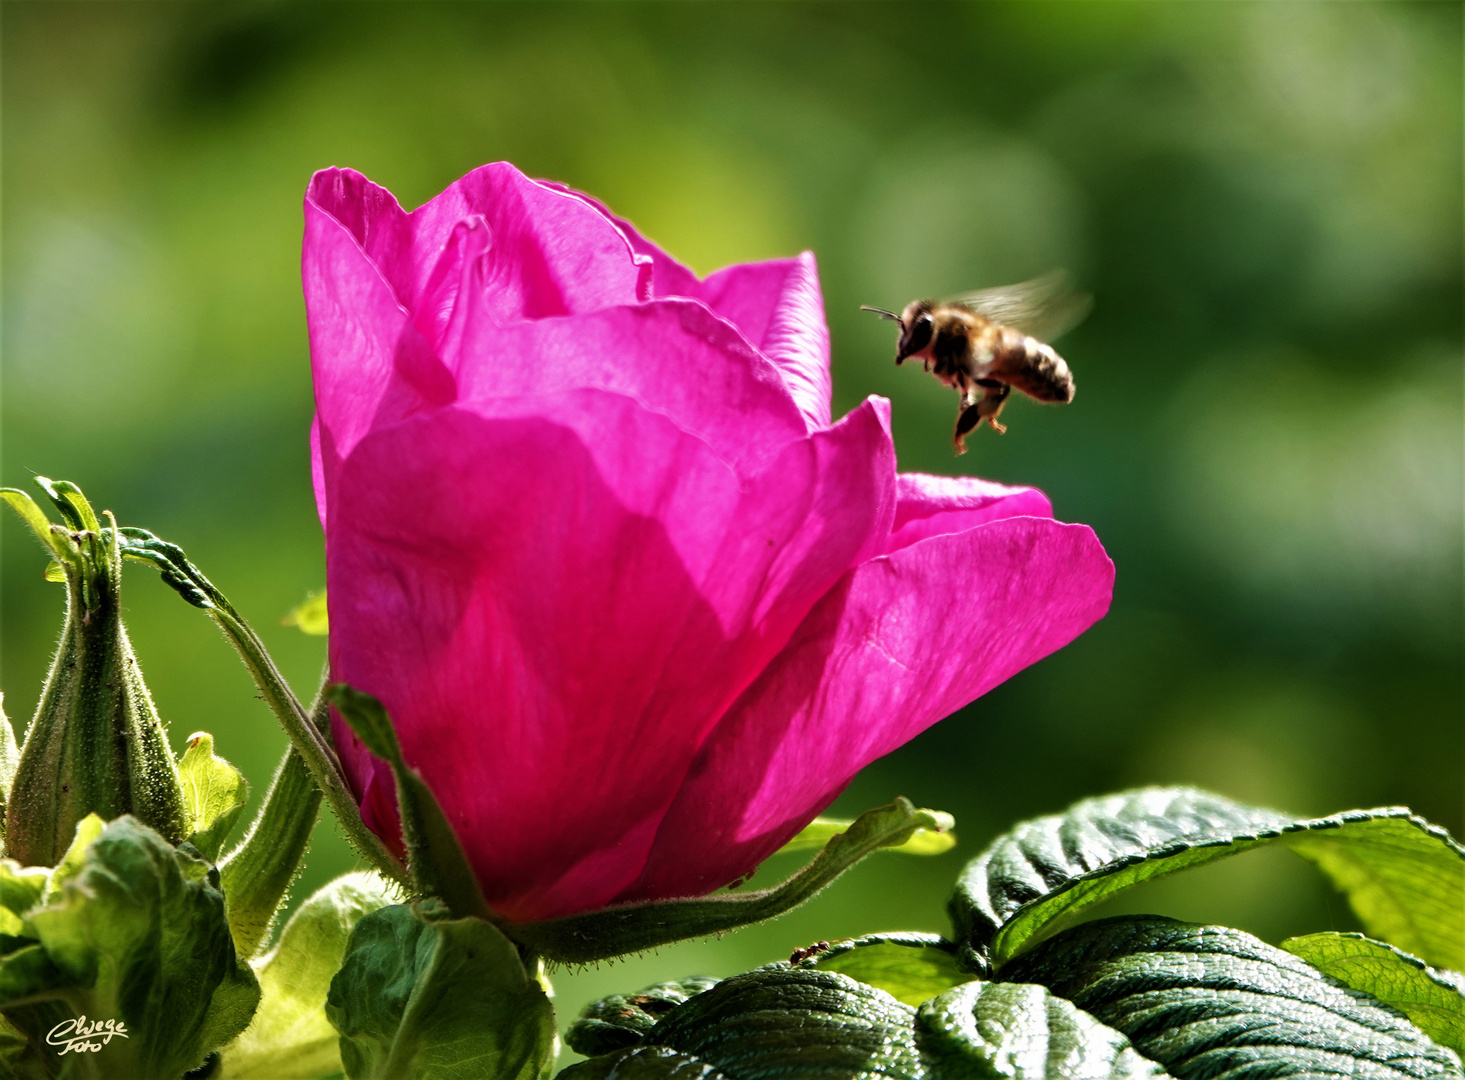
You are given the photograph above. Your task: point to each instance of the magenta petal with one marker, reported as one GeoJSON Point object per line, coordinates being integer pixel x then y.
{"type": "Point", "coordinates": [689, 366]}
{"type": "Point", "coordinates": [779, 308]}
{"type": "Point", "coordinates": [933, 505]}
{"type": "Point", "coordinates": [903, 641]}
{"type": "Point", "coordinates": [776, 305]}
{"type": "Point", "coordinates": [369, 364]}
{"type": "Point", "coordinates": [549, 253]}
{"type": "Point", "coordinates": [556, 598]}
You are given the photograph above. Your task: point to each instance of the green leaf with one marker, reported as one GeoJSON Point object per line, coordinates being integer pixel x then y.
{"type": "Point", "coordinates": [775, 1021]}
{"type": "Point", "coordinates": [444, 999]}
{"type": "Point", "coordinates": [821, 830]}
{"type": "Point", "coordinates": [622, 1020]}
{"type": "Point", "coordinates": [985, 1029]}
{"type": "Point", "coordinates": [1208, 1001]}
{"type": "Point", "coordinates": [643, 1063]}
{"type": "Point", "coordinates": [1433, 999]}
{"type": "Point", "coordinates": [21, 887]}
{"type": "Point", "coordinates": [310, 616]}
{"type": "Point", "coordinates": [214, 794]}
{"type": "Point", "coordinates": [291, 1039]}
{"type": "Point", "coordinates": [910, 967]}
{"type": "Point", "coordinates": [1404, 878]}
{"type": "Point", "coordinates": [1042, 875]}
{"type": "Point", "coordinates": [435, 858]}
{"type": "Point", "coordinates": [136, 934]}
{"type": "Point", "coordinates": [800, 1021]}
{"type": "Point", "coordinates": [599, 935]}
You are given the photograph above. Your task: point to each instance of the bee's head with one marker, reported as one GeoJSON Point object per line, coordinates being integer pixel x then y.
{"type": "Point", "coordinates": [916, 327]}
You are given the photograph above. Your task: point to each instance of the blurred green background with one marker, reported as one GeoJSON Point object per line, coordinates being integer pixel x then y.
{"type": "Point", "coordinates": [1265, 200]}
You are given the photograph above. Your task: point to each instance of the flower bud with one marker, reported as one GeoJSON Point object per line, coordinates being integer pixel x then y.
{"type": "Point", "coordinates": [96, 744]}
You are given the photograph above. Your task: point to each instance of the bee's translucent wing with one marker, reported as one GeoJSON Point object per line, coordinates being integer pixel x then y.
{"type": "Point", "coordinates": [1046, 307]}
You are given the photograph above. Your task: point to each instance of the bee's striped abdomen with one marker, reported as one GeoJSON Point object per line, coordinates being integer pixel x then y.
{"type": "Point", "coordinates": [1032, 367]}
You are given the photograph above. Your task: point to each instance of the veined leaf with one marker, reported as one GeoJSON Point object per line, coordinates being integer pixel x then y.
{"type": "Point", "coordinates": [795, 1021]}
{"type": "Point", "coordinates": [775, 1021]}
{"type": "Point", "coordinates": [1433, 999]}
{"type": "Point", "coordinates": [985, 1029]}
{"type": "Point", "coordinates": [622, 1020]}
{"type": "Point", "coordinates": [1404, 877]}
{"type": "Point", "coordinates": [1209, 1001]}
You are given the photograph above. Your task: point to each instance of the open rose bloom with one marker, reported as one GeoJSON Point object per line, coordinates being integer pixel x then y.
{"type": "Point", "coordinates": [637, 604]}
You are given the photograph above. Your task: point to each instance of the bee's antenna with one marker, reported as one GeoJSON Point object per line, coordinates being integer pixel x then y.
{"type": "Point", "coordinates": [892, 316]}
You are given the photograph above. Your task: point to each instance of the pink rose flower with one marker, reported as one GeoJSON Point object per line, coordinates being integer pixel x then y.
{"type": "Point", "coordinates": [638, 606]}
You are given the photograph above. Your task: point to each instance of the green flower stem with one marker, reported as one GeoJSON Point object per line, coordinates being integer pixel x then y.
{"type": "Point", "coordinates": [633, 928]}
{"type": "Point", "coordinates": [307, 739]}
{"type": "Point", "coordinates": [257, 874]}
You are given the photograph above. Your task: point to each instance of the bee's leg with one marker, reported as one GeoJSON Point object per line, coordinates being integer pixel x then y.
{"type": "Point", "coordinates": [967, 417]}
{"type": "Point", "coordinates": [993, 398]}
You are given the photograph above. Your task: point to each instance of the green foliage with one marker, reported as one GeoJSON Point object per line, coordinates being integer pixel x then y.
{"type": "Point", "coordinates": [799, 1021]}
{"type": "Point", "coordinates": [438, 999]}
{"type": "Point", "coordinates": [775, 1020]}
{"type": "Point", "coordinates": [1205, 999]}
{"type": "Point", "coordinates": [622, 1020]}
{"type": "Point", "coordinates": [290, 1038]}
{"type": "Point", "coordinates": [631, 928]}
{"type": "Point", "coordinates": [1404, 877]}
{"type": "Point", "coordinates": [1433, 999]}
{"type": "Point", "coordinates": [131, 930]}
{"type": "Point", "coordinates": [912, 968]}
{"type": "Point", "coordinates": [983, 1029]}
{"type": "Point", "coordinates": [214, 794]}
{"type": "Point", "coordinates": [821, 830]}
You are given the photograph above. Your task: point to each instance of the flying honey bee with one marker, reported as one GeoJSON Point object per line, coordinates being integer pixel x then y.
{"type": "Point", "coordinates": [986, 343]}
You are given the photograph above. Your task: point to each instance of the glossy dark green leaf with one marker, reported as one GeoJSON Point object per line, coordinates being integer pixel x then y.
{"type": "Point", "coordinates": [599, 935]}
{"type": "Point", "coordinates": [800, 1022]}
{"type": "Point", "coordinates": [1405, 877]}
{"type": "Point", "coordinates": [622, 1020]}
{"type": "Point", "coordinates": [644, 1063]}
{"type": "Point", "coordinates": [1209, 1001]}
{"type": "Point", "coordinates": [134, 933]}
{"type": "Point", "coordinates": [437, 999]}
{"type": "Point", "coordinates": [777, 1021]}
{"type": "Point", "coordinates": [910, 967]}
{"type": "Point", "coordinates": [1432, 998]}
{"type": "Point", "coordinates": [986, 1029]}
